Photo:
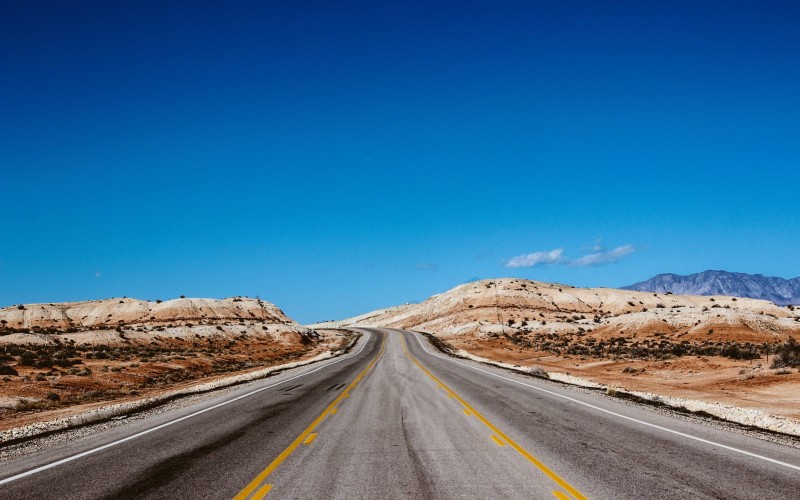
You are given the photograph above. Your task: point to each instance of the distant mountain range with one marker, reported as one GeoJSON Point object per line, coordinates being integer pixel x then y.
{"type": "Point", "coordinates": [755, 286]}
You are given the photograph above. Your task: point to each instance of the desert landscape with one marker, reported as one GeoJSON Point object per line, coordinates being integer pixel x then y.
{"type": "Point", "coordinates": [571, 222]}
{"type": "Point", "coordinates": [729, 351]}
{"type": "Point", "coordinates": [59, 359]}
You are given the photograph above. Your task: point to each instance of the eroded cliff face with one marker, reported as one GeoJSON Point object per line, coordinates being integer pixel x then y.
{"type": "Point", "coordinates": [125, 311]}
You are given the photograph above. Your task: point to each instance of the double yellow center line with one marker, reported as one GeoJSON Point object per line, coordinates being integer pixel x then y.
{"type": "Point", "coordinates": [259, 490]}
{"type": "Point", "coordinates": [499, 436]}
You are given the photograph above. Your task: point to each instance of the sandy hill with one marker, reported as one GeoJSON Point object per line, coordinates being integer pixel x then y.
{"type": "Point", "coordinates": [60, 357]}
{"type": "Point", "coordinates": [516, 306]}
{"type": "Point", "coordinates": [125, 311]}
{"type": "Point", "coordinates": [719, 353]}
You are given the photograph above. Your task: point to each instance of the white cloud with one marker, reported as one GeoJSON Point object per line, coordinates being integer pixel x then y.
{"type": "Point", "coordinates": [603, 256]}
{"type": "Point", "coordinates": [556, 257]}
{"type": "Point", "coordinates": [537, 259]}
{"type": "Point", "coordinates": [595, 247]}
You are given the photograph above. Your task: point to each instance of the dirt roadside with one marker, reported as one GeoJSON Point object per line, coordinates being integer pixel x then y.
{"type": "Point", "coordinates": [197, 374]}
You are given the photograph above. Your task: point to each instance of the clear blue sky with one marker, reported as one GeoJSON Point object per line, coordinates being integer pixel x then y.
{"type": "Point", "coordinates": [337, 157]}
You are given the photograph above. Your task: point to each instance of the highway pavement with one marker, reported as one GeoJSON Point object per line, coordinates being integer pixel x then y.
{"type": "Point", "coordinates": [396, 419]}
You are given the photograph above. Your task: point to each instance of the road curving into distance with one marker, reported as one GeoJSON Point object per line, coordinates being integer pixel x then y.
{"type": "Point", "coordinates": [396, 419]}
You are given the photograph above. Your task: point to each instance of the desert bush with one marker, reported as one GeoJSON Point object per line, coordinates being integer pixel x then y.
{"type": "Point", "coordinates": [7, 370]}
{"type": "Point", "coordinates": [787, 354]}
{"type": "Point", "coordinates": [538, 371]}
{"type": "Point", "coordinates": [27, 358]}
{"type": "Point", "coordinates": [26, 405]}
{"type": "Point", "coordinates": [44, 361]}
{"type": "Point", "coordinates": [739, 351]}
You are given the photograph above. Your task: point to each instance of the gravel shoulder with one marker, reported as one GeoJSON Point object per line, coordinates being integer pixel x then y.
{"type": "Point", "coordinates": [759, 423]}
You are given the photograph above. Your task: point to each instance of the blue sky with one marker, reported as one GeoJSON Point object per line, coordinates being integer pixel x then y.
{"type": "Point", "coordinates": [337, 157]}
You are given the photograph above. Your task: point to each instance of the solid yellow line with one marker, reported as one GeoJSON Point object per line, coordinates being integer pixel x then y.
{"type": "Point", "coordinates": [262, 492]}
{"type": "Point", "coordinates": [539, 465]}
{"type": "Point", "coordinates": [333, 410]}
{"type": "Point", "coordinates": [497, 440]}
{"type": "Point", "coordinates": [311, 437]}
{"type": "Point", "coordinates": [252, 485]}
{"type": "Point", "coordinates": [560, 495]}
{"type": "Point", "coordinates": [467, 413]}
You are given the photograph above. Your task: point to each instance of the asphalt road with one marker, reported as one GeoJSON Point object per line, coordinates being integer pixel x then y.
{"type": "Point", "coordinates": [394, 419]}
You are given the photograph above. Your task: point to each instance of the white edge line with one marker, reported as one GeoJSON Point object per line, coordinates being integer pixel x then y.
{"type": "Point", "coordinates": [171, 422]}
{"type": "Point", "coordinates": [655, 426]}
